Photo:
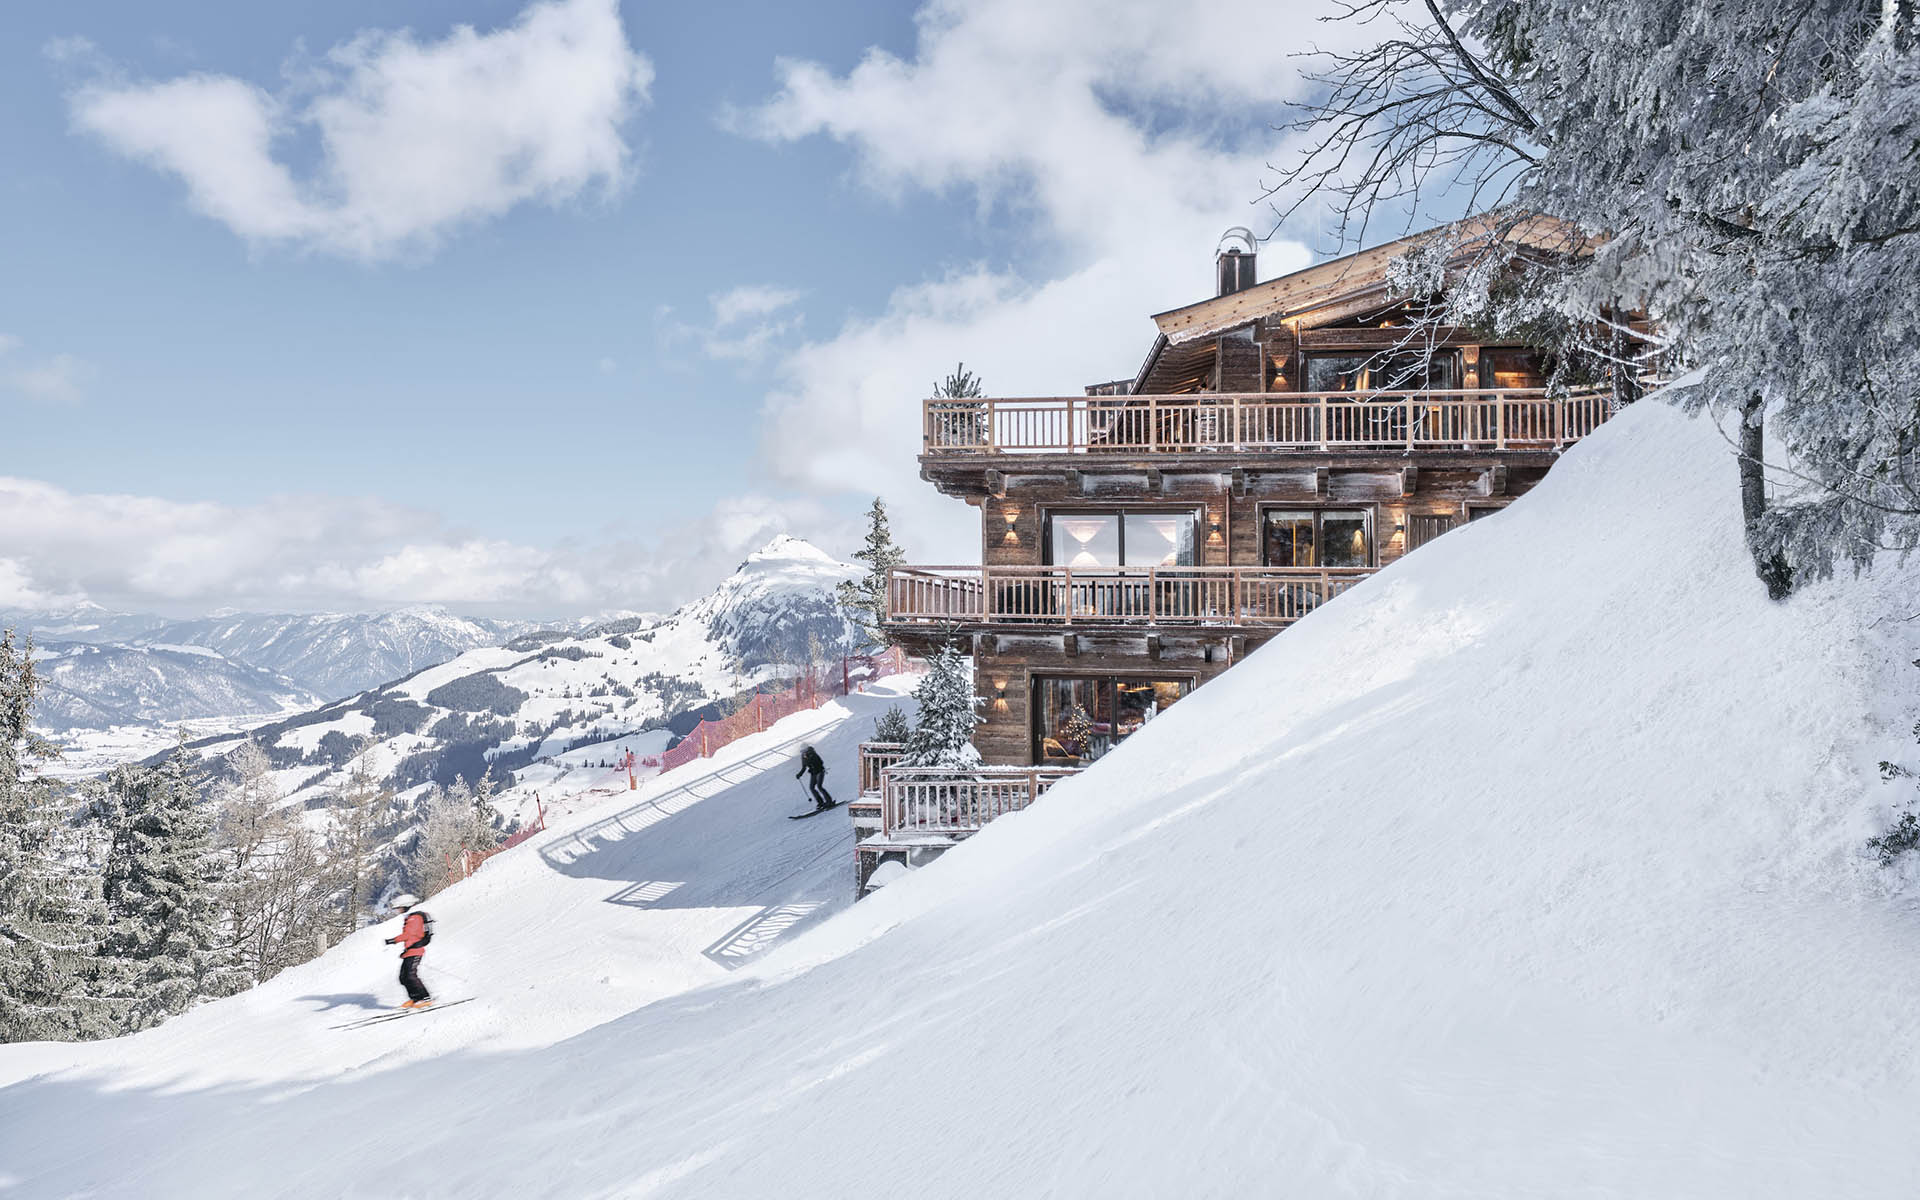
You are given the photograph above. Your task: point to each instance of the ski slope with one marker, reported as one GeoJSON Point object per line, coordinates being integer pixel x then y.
{"type": "Point", "coordinates": [1530, 867]}
{"type": "Point", "coordinates": [647, 894]}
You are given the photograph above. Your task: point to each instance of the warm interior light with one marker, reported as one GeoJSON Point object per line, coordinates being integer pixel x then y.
{"type": "Point", "coordinates": [1012, 515]}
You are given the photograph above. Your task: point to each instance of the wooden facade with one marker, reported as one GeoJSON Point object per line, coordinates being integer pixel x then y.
{"type": "Point", "coordinates": [1280, 443]}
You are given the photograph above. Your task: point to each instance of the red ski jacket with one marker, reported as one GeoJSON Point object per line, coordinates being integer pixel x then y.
{"type": "Point", "coordinates": [411, 931]}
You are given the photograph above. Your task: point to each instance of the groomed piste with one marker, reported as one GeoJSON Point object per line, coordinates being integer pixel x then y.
{"type": "Point", "coordinates": [1532, 867]}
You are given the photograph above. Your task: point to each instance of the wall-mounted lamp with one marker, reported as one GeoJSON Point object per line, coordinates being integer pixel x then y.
{"type": "Point", "coordinates": [999, 695]}
{"type": "Point", "coordinates": [1013, 517]}
{"type": "Point", "coordinates": [1213, 531]}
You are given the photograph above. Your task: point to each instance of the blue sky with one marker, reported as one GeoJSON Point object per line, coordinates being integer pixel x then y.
{"type": "Point", "coordinates": [568, 309]}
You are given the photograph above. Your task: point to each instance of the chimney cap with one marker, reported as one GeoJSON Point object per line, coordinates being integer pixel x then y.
{"type": "Point", "coordinates": [1238, 234]}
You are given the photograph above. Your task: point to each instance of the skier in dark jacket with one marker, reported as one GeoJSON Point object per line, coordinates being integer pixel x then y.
{"type": "Point", "coordinates": [815, 770]}
{"type": "Point", "coordinates": [412, 940]}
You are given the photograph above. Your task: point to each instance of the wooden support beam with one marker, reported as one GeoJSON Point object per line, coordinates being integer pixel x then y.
{"type": "Point", "coordinates": [1155, 482]}
{"type": "Point", "coordinates": [1070, 645]}
{"type": "Point", "coordinates": [997, 484]}
{"type": "Point", "coordinates": [1320, 483]}
{"type": "Point", "coordinates": [1494, 482]}
{"type": "Point", "coordinates": [1073, 482]}
{"type": "Point", "coordinates": [1153, 646]}
{"type": "Point", "coordinates": [1236, 648]}
{"type": "Point", "coordinates": [1239, 482]}
{"type": "Point", "coordinates": [1409, 480]}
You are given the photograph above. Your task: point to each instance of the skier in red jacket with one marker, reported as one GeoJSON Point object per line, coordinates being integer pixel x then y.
{"type": "Point", "coordinates": [415, 932]}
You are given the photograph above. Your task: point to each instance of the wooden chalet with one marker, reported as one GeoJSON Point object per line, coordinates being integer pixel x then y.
{"type": "Point", "coordinates": [1281, 442]}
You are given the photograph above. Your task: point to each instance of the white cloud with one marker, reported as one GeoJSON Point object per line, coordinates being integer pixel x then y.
{"type": "Point", "coordinates": [57, 379]}
{"type": "Point", "coordinates": [1120, 136]}
{"type": "Point", "coordinates": [752, 300]}
{"type": "Point", "coordinates": [305, 552]}
{"type": "Point", "coordinates": [416, 139]}
{"type": "Point", "coordinates": [748, 323]}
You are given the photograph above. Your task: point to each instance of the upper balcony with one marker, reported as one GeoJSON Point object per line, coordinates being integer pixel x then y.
{"type": "Point", "coordinates": [961, 433]}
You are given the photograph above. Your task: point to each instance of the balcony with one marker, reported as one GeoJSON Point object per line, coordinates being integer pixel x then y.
{"type": "Point", "coordinates": [1081, 598]}
{"type": "Point", "coordinates": [929, 802]}
{"type": "Point", "coordinates": [1483, 419]}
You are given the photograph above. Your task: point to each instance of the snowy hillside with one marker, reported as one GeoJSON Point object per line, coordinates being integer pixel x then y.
{"type": "Point", "coordinates": [98, 687]}
{"type": "Point", "coordinates": [1530, 867]}
{"type": "Point", "coordinates": [504, 707]}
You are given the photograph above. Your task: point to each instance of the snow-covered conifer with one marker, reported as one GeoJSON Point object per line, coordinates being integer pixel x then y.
{"type": "Point", "coordinates": [892, 726]}
{"type": "Point", "coordinates": [162, 881]}
{"type": "Point", "coordinates": [942, 734]}
{"type": "Point", "coordinates": [1743, 174]}
{"type": "Point", "coordinates": [50, 911]}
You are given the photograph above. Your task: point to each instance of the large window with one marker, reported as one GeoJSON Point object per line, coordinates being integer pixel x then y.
{"type": "Point", "coordinates": [1079, 719]}
{"type": "Point", "coordinates": [1317, 537]}
{"type": "Point", "coordinates": [1402, 371]}
{"type": "Point", "coordinates": [1122, 539]}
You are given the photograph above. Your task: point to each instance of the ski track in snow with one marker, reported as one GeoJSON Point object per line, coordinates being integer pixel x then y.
{"type": "Point", "coordinates": [1530, 867]}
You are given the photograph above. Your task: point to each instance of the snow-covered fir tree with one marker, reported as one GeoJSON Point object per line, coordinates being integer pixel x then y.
{"type": "Point", "coordinates": [460, 820]}
{"type": "Point", "coordinates": [51, 916]}
{"type": "Point", "coordinates": [1743, 174]}
{"type": "Point", "coordinates": [942, 734]}
{"type": "Point", "coordinates": [892, 726]}
{"type": "Point", "coordinates": [866, 597]}
{"type": "Point", "coordinates": [162, 888]}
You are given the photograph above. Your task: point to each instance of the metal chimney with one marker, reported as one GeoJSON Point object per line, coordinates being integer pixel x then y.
{"type": "Point", "coordinates": [1236, 268]}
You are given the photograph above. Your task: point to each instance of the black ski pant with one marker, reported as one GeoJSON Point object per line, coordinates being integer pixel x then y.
{"type": "Point", "coordinates": [818, 790]}
{"type": "Point", "coordinates": [410, 979]}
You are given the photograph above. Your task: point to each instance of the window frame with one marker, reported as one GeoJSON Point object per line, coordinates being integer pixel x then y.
{"type": "Point", "coordinates": [1319, 511]}
{"type": "Point", "coordinates": [1047, 512]}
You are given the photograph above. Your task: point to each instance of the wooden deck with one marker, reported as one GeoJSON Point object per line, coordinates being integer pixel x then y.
{"type": "Point", "coordinates": [1481, 419]}
{"type": "Point", "coordinates": [1231, 597]}
{"type": "Point", "coordinates": [918, 801]}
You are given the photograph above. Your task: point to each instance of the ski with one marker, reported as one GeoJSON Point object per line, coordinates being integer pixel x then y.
{"type": "Point", "coordinates": [816, 812]}
{"type": "Point", "coordinates": [379, 1018]}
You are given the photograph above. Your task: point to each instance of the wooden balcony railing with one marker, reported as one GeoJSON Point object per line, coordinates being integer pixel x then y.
{"type": "Point", "coordinates": [1476, 419]}
{"type": "Point", "coordinates": [933, 800]}
{"type": "Point", "coordinates": [876, 757]}
{"type": "Point", "coordinates": [1065, 596]}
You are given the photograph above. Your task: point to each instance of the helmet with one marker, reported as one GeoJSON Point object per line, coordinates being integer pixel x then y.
{"type": "Point", "coordinates": [404, 900]}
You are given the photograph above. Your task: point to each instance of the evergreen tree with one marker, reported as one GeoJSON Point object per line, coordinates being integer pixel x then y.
{"type": "Point", "coordinates": [961, 426]}
{"type": "Point", "coordinates": [50, 910]}
{"type": "Point", "coordinates": [162, 887]}
{"type": "Point", "coordinates": [1743, 174]}
{"type": "Point", "coordinates": [942, 734]}
{"type": "Point", "coordinates": [892, 727]}
{"type": "Point", "coordinates": [866, 598]}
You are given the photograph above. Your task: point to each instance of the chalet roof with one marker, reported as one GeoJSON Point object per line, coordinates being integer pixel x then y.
{"type": "Point", "coordinates": [1356, 280]}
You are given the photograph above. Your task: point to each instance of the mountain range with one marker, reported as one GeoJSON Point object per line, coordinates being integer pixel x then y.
{"type": "Point", "coordinates": [543, 693]}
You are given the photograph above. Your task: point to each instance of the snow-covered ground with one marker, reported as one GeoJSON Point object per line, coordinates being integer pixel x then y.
{"type": "Point", "coordinates": [650, 893]}
{"type": "Point", "coordinates": [1531, 867]}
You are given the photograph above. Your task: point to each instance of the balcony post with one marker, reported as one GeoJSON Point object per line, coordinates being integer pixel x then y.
{"type": "Point", "coordinates": [1409, 401]}
{"type": "Point", "coordinates": [1499, 423]}
{"type": "Point", "coordinates": [1323, 420]}
{"type": "Point", "coordinates": [1153, 425]}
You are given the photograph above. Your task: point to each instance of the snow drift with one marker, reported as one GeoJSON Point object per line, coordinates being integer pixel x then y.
{"type": "Point", "coordinates": [1531, 867]}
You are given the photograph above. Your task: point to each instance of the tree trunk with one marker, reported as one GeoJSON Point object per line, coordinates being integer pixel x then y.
{"type": "Point", "coordinates": [1768, 562]}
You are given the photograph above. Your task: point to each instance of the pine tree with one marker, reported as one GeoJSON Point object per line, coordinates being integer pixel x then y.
{"type": "Point", "coordinates": [162, 888]}
{"type": "Point", "coordinates": [892, 727]}
{"type": "Point", "coordinates": [50, 911]}
{"type": "Point", "coordinates": [1743, 174]}
{"type": "Point", "coordinates": [961, 426]}
{"type": "Point", "coordinates": [866, 598]}
{"type": "Point", "coordinates": [942, 734]}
